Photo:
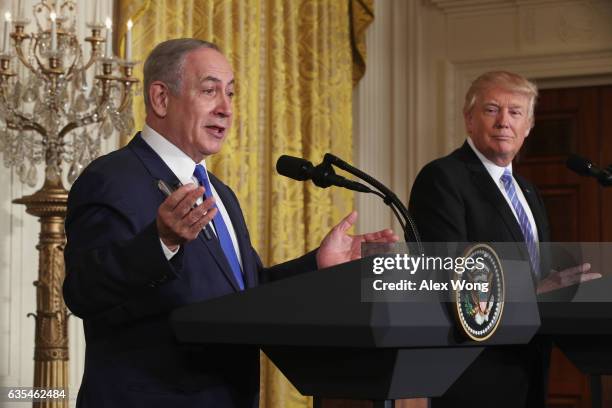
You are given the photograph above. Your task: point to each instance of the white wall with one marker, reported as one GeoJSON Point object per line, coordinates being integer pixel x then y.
{"type": "Point", "coordinates": [422, 56]}
{"type": "Point", "coordinates": [19, 258]}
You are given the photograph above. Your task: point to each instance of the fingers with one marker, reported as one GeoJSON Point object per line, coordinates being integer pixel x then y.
{"type": "Point", "coordinates": [347, 222]}
{"type": "Point", "coordinates": [386, 235]}
{"type": "Point", "coordinates": [179, 195]}
{"type": "Point", "coordinates": [179, 220]}
{"type": "Point", "coordinates": [574, 275]}
{"type": "Point", "coordinates": [582, 268]}
{"type": "Point", "coordinates": [575, 270]}
{"type": "Point", "coordinates": [589, 276]}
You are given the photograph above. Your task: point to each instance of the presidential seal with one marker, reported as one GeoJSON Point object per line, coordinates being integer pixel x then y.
{"type": "Point", "coordinates": [479, 293]}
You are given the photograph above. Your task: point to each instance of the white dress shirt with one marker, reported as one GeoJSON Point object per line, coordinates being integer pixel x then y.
{"type": "Point", "coordinates": [183, 167]}
{"type": "Point", "coordinates": [496, 172]}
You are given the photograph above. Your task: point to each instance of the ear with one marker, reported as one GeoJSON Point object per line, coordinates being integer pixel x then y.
{"type": "Point", "coordinates": [467, 119]}
{"type": "Point", "coordinates": [159, 98]}
{"type": "Point", "coordinates": [530, 127]}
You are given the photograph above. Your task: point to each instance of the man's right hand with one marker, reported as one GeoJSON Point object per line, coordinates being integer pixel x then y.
{"type": "Point", "coordinates": [567, 277]}
{"type": "Point", "coordinates": [178, 221]}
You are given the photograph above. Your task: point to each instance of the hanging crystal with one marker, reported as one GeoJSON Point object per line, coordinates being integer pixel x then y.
{"type": "Point", "coordinates": [107, 127]}
{"type": "Point", "coordinates": [31, 93]}
{"type": "Point", "coordinates": [52, 173]}
{"type": "Point", "coordinates": [81, 104]}
{"type": "Point", "coordinates": [17, 90]}
{"type": "Point", "coordinates": [32, 176]}
{"type": "Point", "coordinates": [22, 171]}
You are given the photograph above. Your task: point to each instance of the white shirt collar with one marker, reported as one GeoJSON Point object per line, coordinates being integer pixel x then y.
{"type": "Point", "coordinates": [493, 169]}
{"type": "Point", "coordinates": [178, 162]}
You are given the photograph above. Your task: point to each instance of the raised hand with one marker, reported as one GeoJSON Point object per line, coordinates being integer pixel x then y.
{"type": "Point", "coordinates": [178, 221]}
{"type": "Point", "coordinates": [338, 247]}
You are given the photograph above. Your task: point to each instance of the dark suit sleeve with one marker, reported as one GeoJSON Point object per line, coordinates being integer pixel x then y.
{"type": "Point", "coordinates": [437, 206]}
{"type": "Point", "coordinates": [111, 261]}
{"type": "Point", "coordinates": [303, 264]}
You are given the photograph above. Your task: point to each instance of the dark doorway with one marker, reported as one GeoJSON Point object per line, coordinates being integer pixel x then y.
{"type": "Point", "coordinates": [571, 120]}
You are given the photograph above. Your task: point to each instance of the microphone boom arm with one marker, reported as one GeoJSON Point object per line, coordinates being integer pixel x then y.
{"type": "Point", "coordinates": [408, 225]}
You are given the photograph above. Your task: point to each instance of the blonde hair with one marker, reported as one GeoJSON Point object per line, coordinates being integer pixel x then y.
{"type": "Point", "coordinates": [505, 80]}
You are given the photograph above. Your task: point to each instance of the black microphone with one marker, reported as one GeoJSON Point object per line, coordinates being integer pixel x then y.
{"type": "Point", "coordinates": [584, 167]}
{"type": "Point", "coordinates": [322, 175]}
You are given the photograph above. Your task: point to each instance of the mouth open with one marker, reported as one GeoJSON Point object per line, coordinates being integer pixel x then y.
{"type": "Point", "coordinates": [217, 130]}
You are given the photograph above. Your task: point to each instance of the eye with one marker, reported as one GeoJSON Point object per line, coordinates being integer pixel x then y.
{"type": "Point", "coordinates": [490, 110]}
{"type": "Point", "coordinates": [516, 112]}
{"type": "Point", "coordinates": [230, 94]}
{"type": "Point", "coordinates": [208, 91]}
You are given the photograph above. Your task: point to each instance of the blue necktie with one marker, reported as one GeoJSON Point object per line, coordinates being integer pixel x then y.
{"type": "Point", "coordinates": [524, 223]}
{"type": "Point", "coordinates": [222, 232]}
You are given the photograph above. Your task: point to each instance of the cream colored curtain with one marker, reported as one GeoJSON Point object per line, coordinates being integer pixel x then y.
{"type": "Point", "coordinates": [294, 71]}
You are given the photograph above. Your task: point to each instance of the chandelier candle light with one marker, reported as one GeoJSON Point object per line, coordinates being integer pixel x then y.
{"type": "Point", "coordinates": [51, 114]}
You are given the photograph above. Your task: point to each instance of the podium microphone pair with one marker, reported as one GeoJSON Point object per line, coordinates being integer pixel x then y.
{"type": "Point", "coordinates": [323, 176]}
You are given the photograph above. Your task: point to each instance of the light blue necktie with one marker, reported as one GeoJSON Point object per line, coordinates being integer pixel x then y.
{"type": "Point", "coordinates": [524, 223]}
{"type": "Point", "coordinates": [222, 232]}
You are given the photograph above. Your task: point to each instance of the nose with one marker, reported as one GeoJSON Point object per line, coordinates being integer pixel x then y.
{"type": "Point", "coordinates": [502, 119]}
{"type": "Point", "coordinates": [224, 106]}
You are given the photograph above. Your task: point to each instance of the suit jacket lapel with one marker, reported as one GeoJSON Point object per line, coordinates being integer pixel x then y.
{"type": "Point", "coordinates": [151, 160]}
{"type": "Point", "coordinates": [158, 170]}
{"type": "Point", "coordinates": [491, 192]}
{"type": "Point", "coordinates": [233, 210]}
{"type": "Point", "coordinates": [536, 209]}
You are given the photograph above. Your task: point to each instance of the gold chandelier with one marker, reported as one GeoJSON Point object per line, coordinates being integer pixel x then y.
{"type": "Point", "coordinates": [51, 112]}
{"type": "Point", "coordinates": [56, 105]}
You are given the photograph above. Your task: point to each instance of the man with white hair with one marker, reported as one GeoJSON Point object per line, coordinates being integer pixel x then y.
{"type": "Point", "coordinates": [473, 195]}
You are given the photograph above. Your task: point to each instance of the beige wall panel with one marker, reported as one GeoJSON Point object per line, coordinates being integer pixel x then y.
{"type": "Point", "coordinates": [471, 36]}
{"type": "Point", "coordinates": [554, 28]}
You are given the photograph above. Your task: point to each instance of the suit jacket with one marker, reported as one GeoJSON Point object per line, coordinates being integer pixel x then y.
{"type": "Point", "coordinates": [123, 287]}
{"type": "Point", "coordinates": [454, 199]}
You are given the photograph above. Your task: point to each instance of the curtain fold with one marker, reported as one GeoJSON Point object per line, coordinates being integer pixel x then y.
{"type": "Point", "coordinates": [361, 16]}
{"type": "Point", "coordinates": [293, 63]}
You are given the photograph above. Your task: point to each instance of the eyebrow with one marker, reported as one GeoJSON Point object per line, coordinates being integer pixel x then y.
{"type": "Point", "coordinates": [215, 79]}
{"type": "Point", "coordinates": [496, 104]}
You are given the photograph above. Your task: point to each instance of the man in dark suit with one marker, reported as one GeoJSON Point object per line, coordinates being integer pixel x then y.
{"type": "Point", "coordinates": [472, 195]}
{"type": "Point", "coordinates": [133, 254]}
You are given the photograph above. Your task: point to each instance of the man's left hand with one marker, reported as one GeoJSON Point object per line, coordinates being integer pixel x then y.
{"type": "Point", "coordinates": [338, 247]}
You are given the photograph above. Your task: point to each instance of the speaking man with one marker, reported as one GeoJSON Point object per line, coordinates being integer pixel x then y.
{"type": "Point", "coordinates": [133, 254]}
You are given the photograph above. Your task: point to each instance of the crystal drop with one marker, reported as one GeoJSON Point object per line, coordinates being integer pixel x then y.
{"type": "Point", "coordinates": [93, 95]}
{"type": "Point", "coordinates": [22, 171]}
{"type": "Point", "coordinates": [107, 127]}
{"type": "Point", "coordinates": [81, 103]}
{"type": "Point", "coordinates": [39, 108]}
{"type": "Point", "coordinates": [31, 177]}
{"type": "Point", "coordinates": [29, 95]}
{"type": "Point", "coordinates": [74, 171]}
{"type": "Point", "coordinates": [52, 173]}
{"type": "Point", "coordinates": [17, 90]}
{"type": "Point", "coordinates": [83, 81]}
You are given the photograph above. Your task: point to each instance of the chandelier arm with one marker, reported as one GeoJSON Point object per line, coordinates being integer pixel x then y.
{"type": "Point", "coordinates": [20, 55]}
{"type": "Point", "coordinates": [126, 96]}
{"type": "Point", "coordinates": [25, 123]}
{"type": "Point", "coordinates": [93, 57]}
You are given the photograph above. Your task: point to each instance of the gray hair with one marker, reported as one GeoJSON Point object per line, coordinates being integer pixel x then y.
{"type": "Point", "coordinates": [501, 79]}
{"type": "Point", "coordinates": [165, 63]}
